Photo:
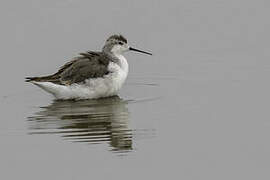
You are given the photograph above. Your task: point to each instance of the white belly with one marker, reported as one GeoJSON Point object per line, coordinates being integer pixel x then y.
{"type": "Point", "coordinates": [109, 85]}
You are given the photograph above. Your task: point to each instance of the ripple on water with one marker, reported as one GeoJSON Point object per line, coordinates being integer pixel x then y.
{"type": "Point", "coordinates": [88, 121]}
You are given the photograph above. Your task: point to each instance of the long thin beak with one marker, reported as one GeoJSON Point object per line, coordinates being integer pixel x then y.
{"type": "Point", "coordinates": [133, 49]}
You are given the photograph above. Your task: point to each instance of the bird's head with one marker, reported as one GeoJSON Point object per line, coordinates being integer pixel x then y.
{"type": "Point", "coordinates": [117, 44]}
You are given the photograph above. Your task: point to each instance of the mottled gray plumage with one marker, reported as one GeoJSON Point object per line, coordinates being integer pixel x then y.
{"type": "Point", "coordinates": [88, 65]}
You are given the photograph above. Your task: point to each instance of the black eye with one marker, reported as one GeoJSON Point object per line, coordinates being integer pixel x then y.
{"type": "Point", "coordinates": [120, 43]}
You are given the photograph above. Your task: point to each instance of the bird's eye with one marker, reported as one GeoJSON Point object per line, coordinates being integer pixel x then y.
{"type": "Point", "coordinates": [120, 43]}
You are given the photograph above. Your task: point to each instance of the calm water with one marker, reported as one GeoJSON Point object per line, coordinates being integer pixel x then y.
{"type": "Point", "coordinates": [197, 109]}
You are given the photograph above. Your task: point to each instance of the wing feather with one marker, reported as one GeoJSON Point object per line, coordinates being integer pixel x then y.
{"type": "Point", "coordinates": [88, 65]}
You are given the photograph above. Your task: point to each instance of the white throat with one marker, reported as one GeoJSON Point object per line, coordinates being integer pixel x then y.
{"type": "Point", "coordinates": [122, 62]}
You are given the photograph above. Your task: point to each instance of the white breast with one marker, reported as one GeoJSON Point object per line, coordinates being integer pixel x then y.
{"type": "Point", "coordinates": [119, 73]}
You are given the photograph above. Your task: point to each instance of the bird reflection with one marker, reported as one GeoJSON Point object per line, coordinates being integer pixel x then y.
{"type": "Point", "coordinates": [88, 121]}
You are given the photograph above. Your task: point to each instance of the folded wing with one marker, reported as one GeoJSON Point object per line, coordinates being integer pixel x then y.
{"type": "Point", "coordinates": [88, 65]}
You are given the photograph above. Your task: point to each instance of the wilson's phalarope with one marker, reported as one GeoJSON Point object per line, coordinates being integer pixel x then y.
{"type": "Point", "coordinates": [92, 75]}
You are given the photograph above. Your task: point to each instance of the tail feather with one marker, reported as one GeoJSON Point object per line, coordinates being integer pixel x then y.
{"type": "Point", "coordinates": [29, 79]}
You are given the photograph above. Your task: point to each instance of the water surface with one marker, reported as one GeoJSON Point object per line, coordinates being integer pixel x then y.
{"type": "Point", "coordinates": [89, 121]}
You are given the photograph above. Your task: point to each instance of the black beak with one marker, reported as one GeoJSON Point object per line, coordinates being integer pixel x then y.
{"type": "Point", "coordinates": [133, 49]}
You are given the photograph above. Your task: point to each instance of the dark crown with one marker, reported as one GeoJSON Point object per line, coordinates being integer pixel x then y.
{"type": "Point", "coordinates": [117, 37]}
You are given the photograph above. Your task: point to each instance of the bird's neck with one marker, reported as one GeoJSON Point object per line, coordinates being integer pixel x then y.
{"type": "Point", "coordinates": [119, 59]}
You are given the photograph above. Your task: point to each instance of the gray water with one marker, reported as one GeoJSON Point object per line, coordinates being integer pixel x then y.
{"type": "Point", "coordinates": [197, 109]}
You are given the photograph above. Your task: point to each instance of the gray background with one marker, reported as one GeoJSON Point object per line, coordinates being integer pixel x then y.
{"type": "Point", "coordinates": [208, 78]}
